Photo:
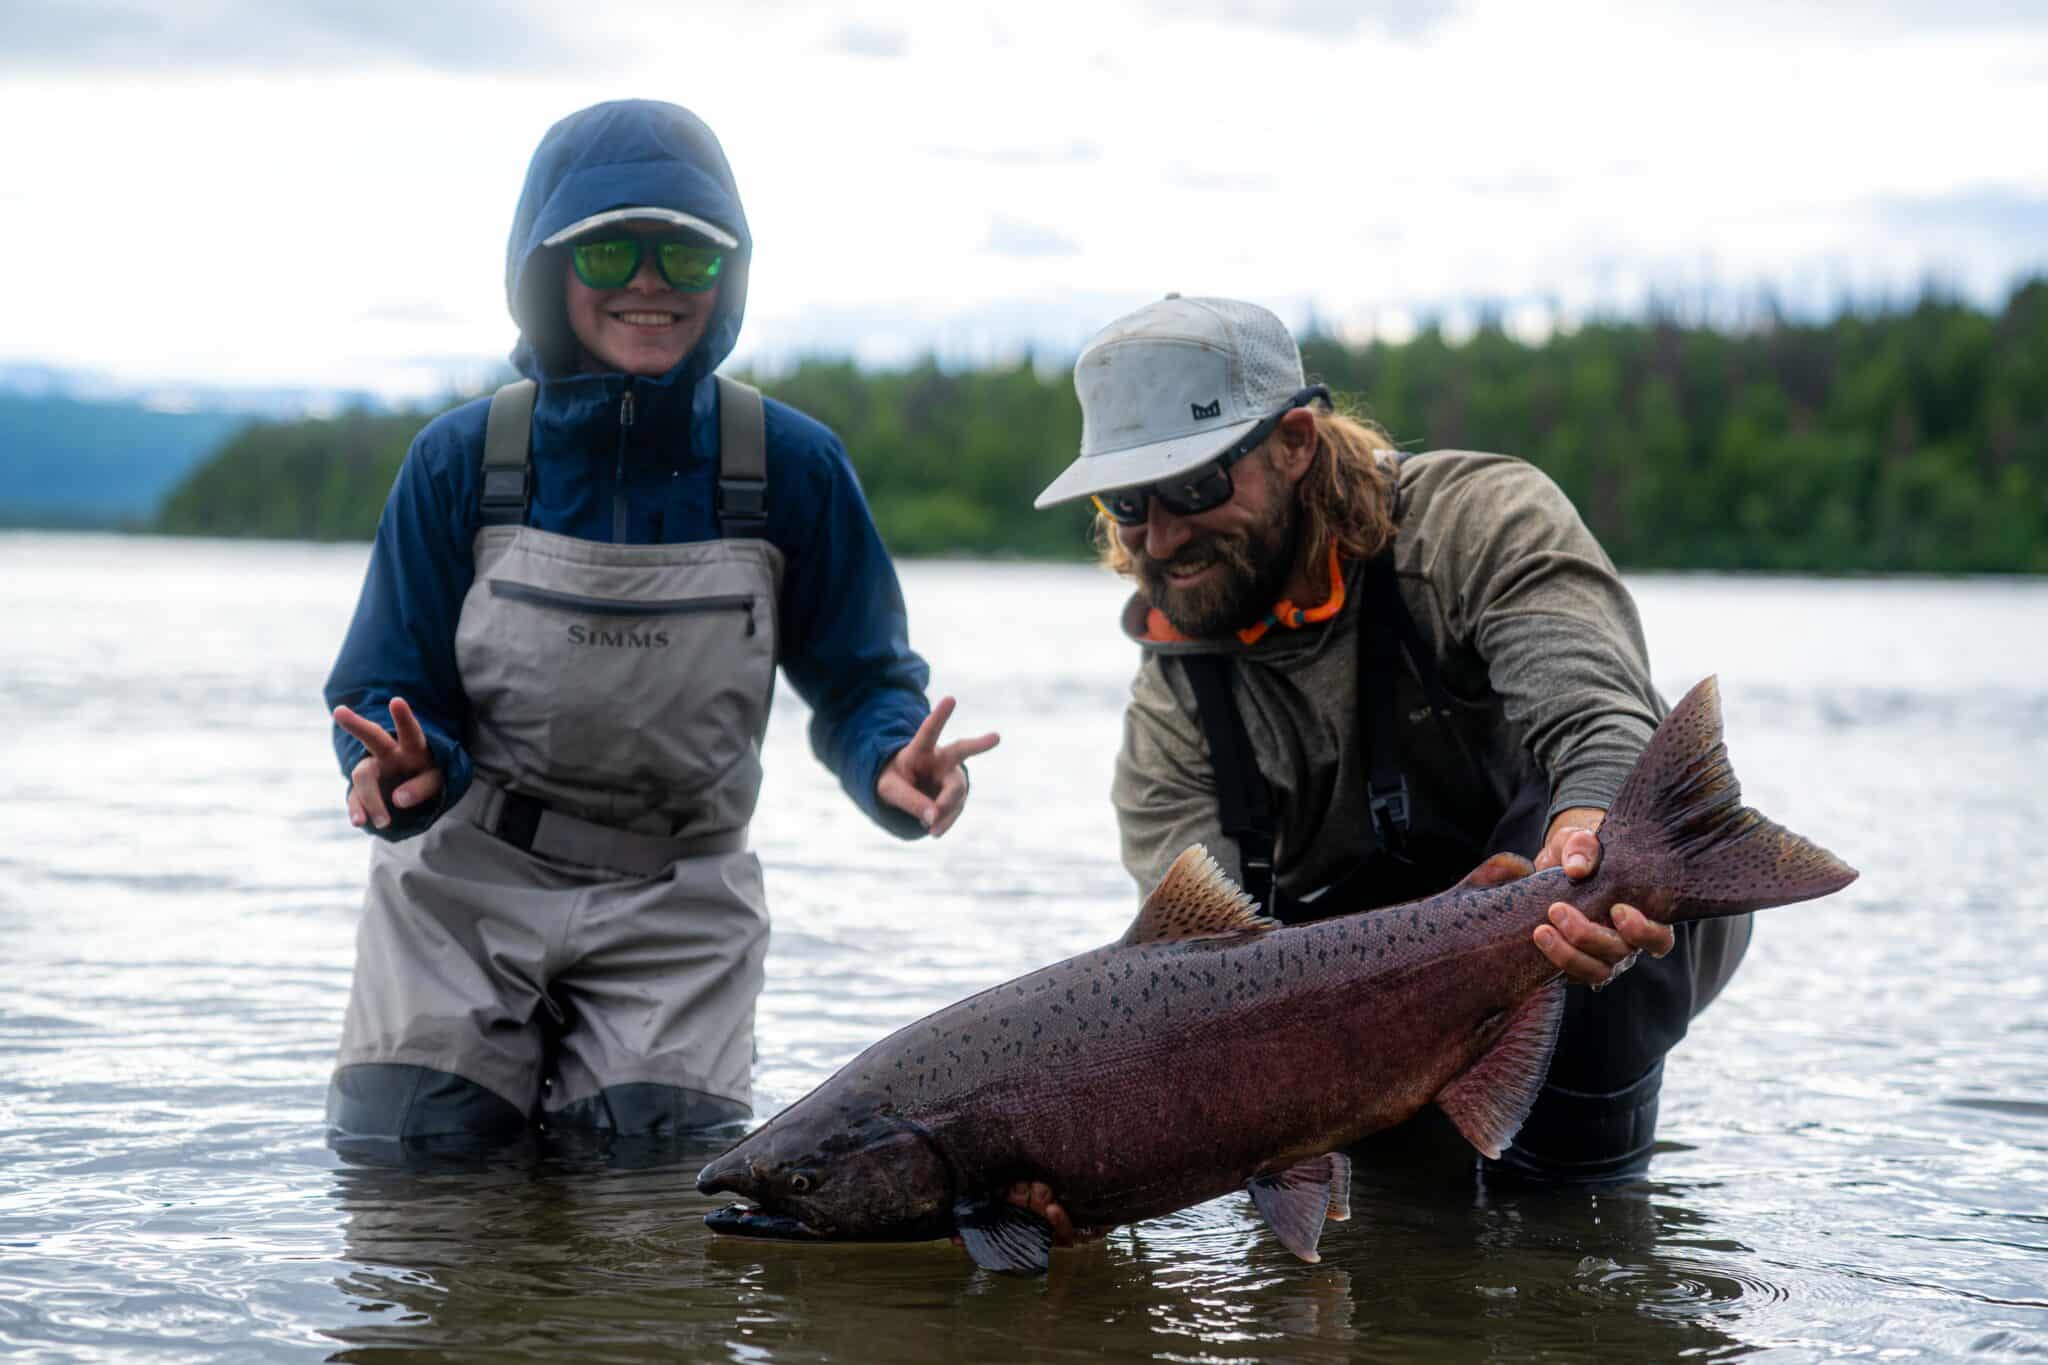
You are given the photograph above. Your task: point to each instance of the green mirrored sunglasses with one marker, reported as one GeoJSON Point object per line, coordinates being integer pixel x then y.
{"type": "Point", "coordinates": [610, 263]}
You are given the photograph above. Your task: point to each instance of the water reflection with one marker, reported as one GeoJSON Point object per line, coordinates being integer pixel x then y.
{"type": "Point", "coordinates": [1866, 1164]}
{"type": "Point", "coordinates": [601, 1253]}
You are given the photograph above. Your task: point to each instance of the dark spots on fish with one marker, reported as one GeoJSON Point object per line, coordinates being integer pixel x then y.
{"type": "Point", "coordinates": [1056, 1009]}
{"type": "Point", "coordinates": [1070, 997]}
{"type": "Point", "coordinates": [985, 1057]}
{"type": "Point", "coordinates": [1097, 989]}
{"type": "Point", "coordinates": [1003, 1021]}
{"type": "Point", "coordinates": [1037, 1028]}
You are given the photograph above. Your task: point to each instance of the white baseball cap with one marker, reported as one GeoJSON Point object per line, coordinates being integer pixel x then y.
{"type": "Point", "coordinates": [1172, 386]}
{"type": "Point", "coordinates": [647, 213]}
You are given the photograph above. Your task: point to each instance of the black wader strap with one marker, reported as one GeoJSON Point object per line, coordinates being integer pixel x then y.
{"type": "Point", "coordinates": [1379, 662]}
{"type": "Point", "coordinates": [508, 473]}
{"type": "Point", "coordinates": [1383, 599]}
{"type": "Point", "coordinates": [1243, 805]}
{"type": "Point", "coordinates": [742, 462]}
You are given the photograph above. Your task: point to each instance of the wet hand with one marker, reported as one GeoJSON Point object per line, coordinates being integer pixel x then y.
{"type": "Point", "coordinates": [1588, 953]}
{"type": "Point", "coordinates": [1035, 1196]}
{"type": "Point", "coordinates": [928, 779]}
{"type": "Point", "coordinates": [398, 771]}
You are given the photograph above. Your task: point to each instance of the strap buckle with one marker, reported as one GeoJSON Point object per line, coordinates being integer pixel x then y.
{"type": "Point", "coordinates": [743, 499]}
{"type": "Point", "coordinates": [505, 493]}
{"type": "Point", "coordinates": [1390, 811]}
{"type": "Point", "coordinates": [519, 820]}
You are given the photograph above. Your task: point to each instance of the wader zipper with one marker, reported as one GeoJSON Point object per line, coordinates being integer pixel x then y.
{"type": "Point", "coordinates": [619, 473]}
{"type": "Point", "coordinates": [605, 606]}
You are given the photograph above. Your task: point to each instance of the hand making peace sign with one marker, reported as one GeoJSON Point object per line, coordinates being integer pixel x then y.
{"type": "Point", "coordinates": [398, 770]}
{"type": "Point", "coordinates": [925, 778]}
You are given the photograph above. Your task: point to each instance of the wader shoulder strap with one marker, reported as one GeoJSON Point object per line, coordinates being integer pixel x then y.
{"type": "Point", "coordinates": [1243, 805]}
{"type": "Point", "coordinates": [1386, 786]}
{"type": "Point", "coordinates": [1388, 621]}
{"type": "Point", "coordinates": [742, 462]}
{"type": "Point", "coordinates": [742, 458]}
{"type": "Point", "coordinates": [508, 475]}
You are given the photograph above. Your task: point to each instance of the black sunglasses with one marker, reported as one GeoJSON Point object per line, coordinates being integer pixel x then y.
{"type": "Point", "coordinates": [1204, 486]}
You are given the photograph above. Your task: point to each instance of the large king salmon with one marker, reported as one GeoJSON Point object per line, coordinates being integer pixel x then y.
{"type": "Point", "coordinates": [1211, 1049]}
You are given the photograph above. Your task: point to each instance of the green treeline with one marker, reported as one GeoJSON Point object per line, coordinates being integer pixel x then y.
{"type": "Point", "coordinates": [1909, 440]}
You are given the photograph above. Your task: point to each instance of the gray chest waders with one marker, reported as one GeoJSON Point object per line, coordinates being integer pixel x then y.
{"type": "Point", "coordinates": [579, 940]}
{"type": "Point", "coordinates": [1597, 1115]}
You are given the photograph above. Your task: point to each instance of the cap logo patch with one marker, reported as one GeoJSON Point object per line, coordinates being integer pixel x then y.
{"type": "Point", "coordinates": [1212, 408]}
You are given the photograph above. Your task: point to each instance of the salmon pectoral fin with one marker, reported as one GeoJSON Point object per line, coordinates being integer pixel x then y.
{"type": "Point", "coordinates": [1490, 1098]}
{"type": "Point", "coordinates": [1297, 1201]}
{"type": "Point", "coordinates": [1002, 1237]}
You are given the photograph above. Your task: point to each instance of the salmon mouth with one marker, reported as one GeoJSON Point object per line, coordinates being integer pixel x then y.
{"type": "Point", "coordinates": [744, 1220]}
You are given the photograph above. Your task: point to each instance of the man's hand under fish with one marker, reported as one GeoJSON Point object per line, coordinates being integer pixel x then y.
{"type": "Point", "coordinates": [1587, 953]}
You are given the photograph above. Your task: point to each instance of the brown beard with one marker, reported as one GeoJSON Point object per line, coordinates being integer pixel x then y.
{"type": "Point", "coordinates": [1255, 566]}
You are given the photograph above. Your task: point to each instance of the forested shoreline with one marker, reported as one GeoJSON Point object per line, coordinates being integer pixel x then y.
{"type": "Point", "coordinates": [1908, 440]}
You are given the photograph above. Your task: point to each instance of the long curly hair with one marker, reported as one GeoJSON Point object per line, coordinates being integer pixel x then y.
{"type": "Point", "coordinates": [1347, 494]}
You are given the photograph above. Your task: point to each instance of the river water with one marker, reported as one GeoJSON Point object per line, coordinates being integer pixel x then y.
{"type": "Point", "coordinates": [1855, 1157]}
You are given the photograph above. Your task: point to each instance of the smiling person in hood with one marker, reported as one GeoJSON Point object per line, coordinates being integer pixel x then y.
{"type": "Point", "coordinates": [551, 701]}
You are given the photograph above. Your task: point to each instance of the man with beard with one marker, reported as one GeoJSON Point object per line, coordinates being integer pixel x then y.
{"type": "Point", "coordinates": [1363, 673]}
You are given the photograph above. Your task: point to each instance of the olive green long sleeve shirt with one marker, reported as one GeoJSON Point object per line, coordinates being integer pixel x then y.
{"type": "Point", "coordinates": [1536, 640]}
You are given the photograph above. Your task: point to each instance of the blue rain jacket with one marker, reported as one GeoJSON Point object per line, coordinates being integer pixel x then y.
{"type": "Point", "coordinates": [845, 645]}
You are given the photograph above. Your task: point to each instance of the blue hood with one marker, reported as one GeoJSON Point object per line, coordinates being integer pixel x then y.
{"type": "Point", "coordinates": [625, 154]}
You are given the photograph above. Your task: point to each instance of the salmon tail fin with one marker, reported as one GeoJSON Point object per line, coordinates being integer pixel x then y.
{"type": "Point", "coordinates": [1680, 816]}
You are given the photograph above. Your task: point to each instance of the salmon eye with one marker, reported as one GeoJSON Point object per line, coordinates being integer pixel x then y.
{"type": "Point", "coordinates": [800, 1183]}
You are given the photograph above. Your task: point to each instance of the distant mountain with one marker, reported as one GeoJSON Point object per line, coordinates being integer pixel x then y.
{"type": "Point", "coordinates": [84, 449]}
{"type": "Point", "coordinates": [69, 462]}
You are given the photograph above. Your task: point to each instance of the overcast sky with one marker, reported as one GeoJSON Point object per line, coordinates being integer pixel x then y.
{"type": "Point", "coordinates": [315, 193]}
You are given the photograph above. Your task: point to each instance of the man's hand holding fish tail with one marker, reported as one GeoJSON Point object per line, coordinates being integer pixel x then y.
{"type": "Point", "coordinates": [1591, 954]}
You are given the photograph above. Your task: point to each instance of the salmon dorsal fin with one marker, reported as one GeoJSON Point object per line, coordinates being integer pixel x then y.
{"type": "Point", "coordinates": [1195, 900]}
{"type": "Point", "coordinates": [1489, 1099]}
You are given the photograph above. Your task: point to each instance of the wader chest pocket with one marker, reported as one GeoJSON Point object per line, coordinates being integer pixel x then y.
{"type": "Point", "coordinates": [625, 690]}
{"type": "Point", "coordinates": [577, 603]}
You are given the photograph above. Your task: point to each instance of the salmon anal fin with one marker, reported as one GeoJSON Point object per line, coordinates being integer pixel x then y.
{"type": "Point", "coordinates": [1501, 867]}
{"type": "Point", "coordinates": [1002, 1237]}
{"type": "Point", "coordinates": [1491, 1097]}
{"type": "Point", "coordinates": [1298, 1200]}
{"type": "Point", "coordinates": [1195, 900]}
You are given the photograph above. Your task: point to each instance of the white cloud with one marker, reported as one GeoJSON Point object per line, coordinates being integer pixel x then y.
{"type": "Point", "coordinates": [1002, 181]}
